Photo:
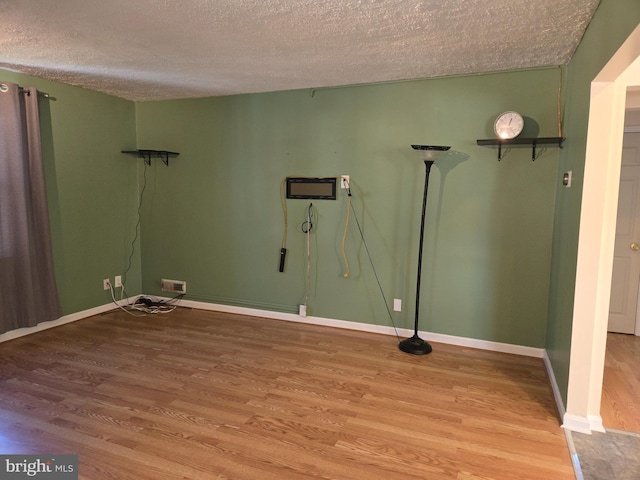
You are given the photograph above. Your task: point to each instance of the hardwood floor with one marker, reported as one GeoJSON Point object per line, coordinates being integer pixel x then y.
{"type": "Point", "coordinates": [204, 395]}
{"type": "Point", "coordinates": [620, 405]}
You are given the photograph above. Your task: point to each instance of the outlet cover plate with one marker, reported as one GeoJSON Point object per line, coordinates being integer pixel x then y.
{"type": "Point", "coordinates": [397, 305]}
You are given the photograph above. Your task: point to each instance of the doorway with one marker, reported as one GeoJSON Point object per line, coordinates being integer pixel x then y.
{"type": "Point", "coordinates": [620, 402]}
{"type": "Point", "coordinates": [625, 279]}
{"type": "Point", "coordinates": [597, 235]}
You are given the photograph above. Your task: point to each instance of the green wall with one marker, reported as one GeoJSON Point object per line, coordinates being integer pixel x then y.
{"type": "Point", "coordinates": [612, 24]}
{"type": "Point", "coordinates": [502, 236]}
{"type": "Point", "coordinates": [91, 188]}
{"type": "Point", "coordinates": [214, 216]}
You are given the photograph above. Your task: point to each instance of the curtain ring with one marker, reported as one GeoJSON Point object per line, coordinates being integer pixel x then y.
{"type": "Point", "coordinates": [4, 87]}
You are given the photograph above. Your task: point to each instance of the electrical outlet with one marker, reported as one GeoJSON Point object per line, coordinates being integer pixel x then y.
{"type": "Point", "coordinates": [344, 181]}
{"type": "Point", "coordinates": [105, 284]}
{"type": "Point", "coordinates": [303, 311]}
{"type": "Point", "coordinates": [118, 281]}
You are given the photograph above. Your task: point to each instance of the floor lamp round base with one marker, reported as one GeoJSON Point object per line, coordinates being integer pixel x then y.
{"type": "Point", "coordinates": [415, 346]}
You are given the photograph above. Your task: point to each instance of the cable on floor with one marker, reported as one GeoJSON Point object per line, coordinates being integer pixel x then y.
{"type": "Point", "coordinates": [145, 304]}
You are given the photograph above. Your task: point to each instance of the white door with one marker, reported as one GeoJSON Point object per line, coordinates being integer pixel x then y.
{"type": "Point", "coordinates": [625, 282]}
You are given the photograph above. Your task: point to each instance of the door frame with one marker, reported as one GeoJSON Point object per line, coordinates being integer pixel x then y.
{"type": "Point", "coordinates": [597, 235]}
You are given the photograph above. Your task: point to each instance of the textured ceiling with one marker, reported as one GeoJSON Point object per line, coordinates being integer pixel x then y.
{"type": "Point", "coordinates": [162, 49]}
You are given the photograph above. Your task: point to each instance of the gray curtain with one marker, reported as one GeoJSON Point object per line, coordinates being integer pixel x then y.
{"type": "Point", "coordinates": [28, 293]}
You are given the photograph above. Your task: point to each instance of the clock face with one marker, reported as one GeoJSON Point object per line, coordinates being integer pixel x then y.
{"type": "Point", "coordinates": [509, 125]}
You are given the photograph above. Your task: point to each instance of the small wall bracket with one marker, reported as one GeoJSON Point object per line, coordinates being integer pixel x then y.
{"type": "Point", "coordinates": [147, 155]}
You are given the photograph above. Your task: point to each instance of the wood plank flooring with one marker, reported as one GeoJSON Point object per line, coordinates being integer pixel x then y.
{"type": "Point", "coordinates": [204, 395]}
{"type": "Point", "coordinates": [620, 405]}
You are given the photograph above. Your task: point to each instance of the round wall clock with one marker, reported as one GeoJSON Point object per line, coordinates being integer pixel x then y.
{"type": "Point", "coordinates": [508, 125]}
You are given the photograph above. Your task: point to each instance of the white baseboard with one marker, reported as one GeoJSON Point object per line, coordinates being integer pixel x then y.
{"type": "Point", "coordinates": [571, 422]}
{"type": "Point", "coordinates": [576, 423]}
{"type": "Point", "coordinates": [73, 317]}
{"type": "Point", "coordinates": [21, 332]}
{"type": "Point", "coordinates": [482, 344]}
{"type": "Point", "coordinates": [554, 385]}
{"type": "Point", "coordinates": [365, 327]}
{"type": "Point", "coordinates": [588, 424]}
{"type": "Point", "coordinates": [291, 317]}
{"type": "Point", "coordinates": [596, 423]}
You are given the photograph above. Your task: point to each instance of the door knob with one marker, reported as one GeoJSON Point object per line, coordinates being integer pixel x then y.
{"type": "Point", "coordinates": [635, 246]}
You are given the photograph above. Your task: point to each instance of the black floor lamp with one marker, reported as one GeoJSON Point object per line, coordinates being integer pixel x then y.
{"type": "Point", "coordinates": [415, 345]}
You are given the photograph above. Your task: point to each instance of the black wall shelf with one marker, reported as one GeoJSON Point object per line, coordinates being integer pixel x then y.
{"type": "Point", "coordinates": [147, 155]}
{"type": "Point", "coordinates": [534, 142]}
